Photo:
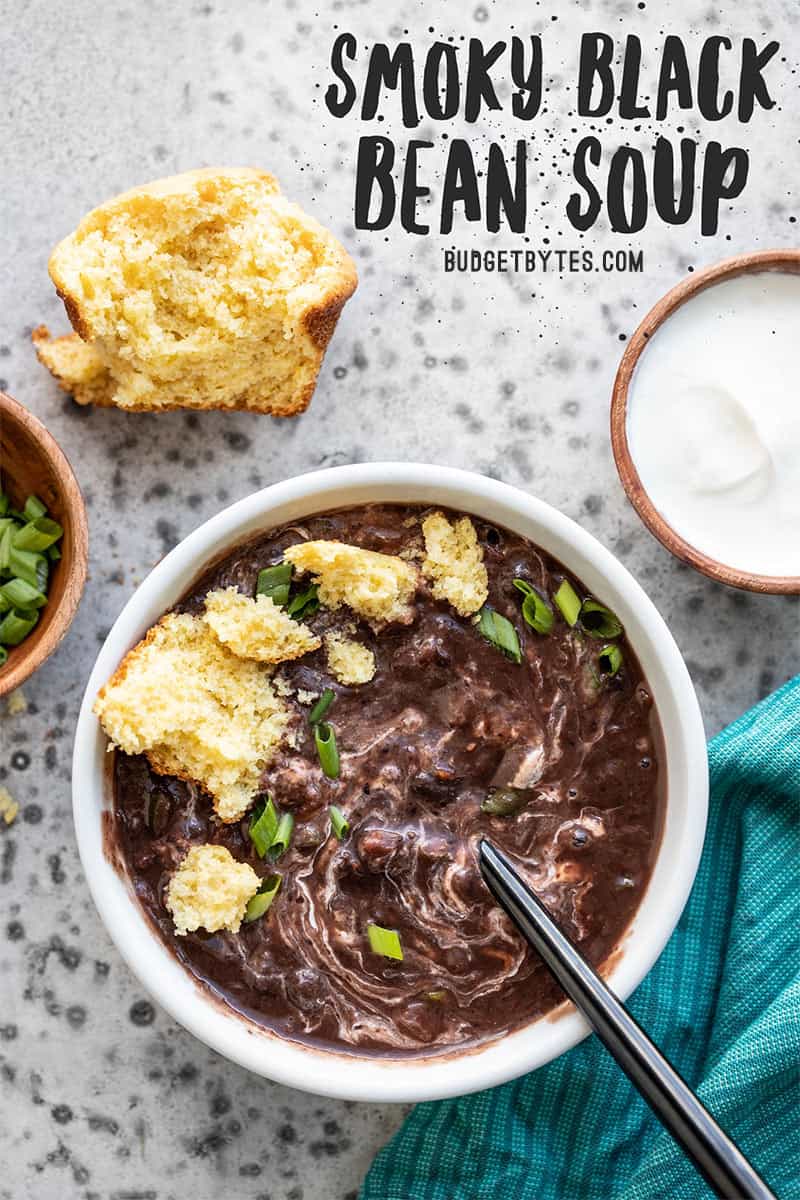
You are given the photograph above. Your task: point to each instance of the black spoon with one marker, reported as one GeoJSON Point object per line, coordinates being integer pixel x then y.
{"type": "Point", "coordinates": [716, 1157]}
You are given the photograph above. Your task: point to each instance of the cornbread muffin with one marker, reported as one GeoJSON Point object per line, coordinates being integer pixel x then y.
{"type": "Point", "coordinates": [454, 563]}
{"type": "Point", "coordinates": [204, 290]}
{"type": "Point", "coordinates": [256, 627]}
{"type": "Point", "coordinates": [350, 661]}
{"type": "Point", "coordinates": [379, 587]}
{"type": "Point", "coordinates": [210, 890]}
{"type": "Point", "coordinates": [196, 710]}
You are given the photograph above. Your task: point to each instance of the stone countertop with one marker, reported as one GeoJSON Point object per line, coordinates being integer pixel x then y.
{"type": "Point", "coordinates": [103, 1096]}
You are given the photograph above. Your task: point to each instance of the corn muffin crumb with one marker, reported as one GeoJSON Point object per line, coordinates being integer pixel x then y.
{"type": "Point", "coordinates": [256, 627]}
{"type": "Point", "coordinates": [379, 587]}
{"type": "Point", "coordinates": [17, 703]}
{"type": "Point", "coordinates": [210, 890]}
{"type": "Point", "coordinates": [8, 806]}
{"type": "Point", "coordinates": [454, 563]}
{"type": "Point", "coordinates": [196, 710]}
{"type": "Point", "coordinates": [350, 661]}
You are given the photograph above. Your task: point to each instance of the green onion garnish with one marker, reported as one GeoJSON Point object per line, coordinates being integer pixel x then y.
{"type": "Point", "coordinates": [34, 509]}
{"type": "Point", "coordinates": [283, 835]}
{"type": "Point", "coordinates": [325, 740]}
{"type": "Point", "coordinates": [385, 942]}
{"type": "Point", "coordinates": [536, 612]}
{"type": "Point", "coordinates": [4, 504]}
{"type": "Point", "coordinates": [37, 535]}
{"type": "Point", "coordinates": [599, 621]}
{"type": "Point", "coordinates": [609, 660]}
{"type": "Point", "coordinates": [567, 602]}
{"type": "Point", "coordinates": [504, 802]}
{"type": "Point", "coordinates": [274, 582]}
{"type": "Point", "coordinates": [498, 630]}
{"type": "Point", "coordinates": [3, 656]}
{"type": "Point", "coordinates": [304, 604]}
{"type": "Point", "coordinates": [258, 904]}
{"type": "Point", "coordinates": [263, 825]}
{"type": "Point", "coordinates": [28, 565]}
{"type": "Point", "coordinates": [321, 707]}
{"type": "Point", "coordinates": [19, 594]}
{"type": "Point", "coordinates": [339, 822]}
{"type": "Point", "coordinates": [15, 626]}
{"type": "Point", "coordinates": [436, 997]}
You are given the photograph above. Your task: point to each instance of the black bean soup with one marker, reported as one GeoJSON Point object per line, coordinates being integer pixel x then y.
{"type": "Point", "coordinates": [564, 749]}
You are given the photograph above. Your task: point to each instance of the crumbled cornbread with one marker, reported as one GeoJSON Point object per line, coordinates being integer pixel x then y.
{"type": "Point", "coordinates": [196, 710]}
{"type": "Point", "coordinates": [17, 703]}
{"type": "Point", "coordinates": [454, 563]}
{"type": "Point", "coordinates": [348, 660]}
{"type": "Point", "coordinates": [205, 290]}
{"type": "Point", "coordinates": [379, 587]}
{"type": "Point", "coordinates": [210, 890]}
{"type": "Point", "coordinates": [8, 806]}
{"type": "Point", "coordinates": [257, 628]}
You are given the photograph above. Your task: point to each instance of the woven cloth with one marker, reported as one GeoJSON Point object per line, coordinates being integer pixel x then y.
{"type": "Point", "coordinates": [723, 1002]}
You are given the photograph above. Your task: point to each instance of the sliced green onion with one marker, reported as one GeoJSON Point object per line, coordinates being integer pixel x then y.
{"type": "Point", "coordinates": [609, 660]}
{"type": "Point", "coordinates": [5, 546]}
{"type": "Point", "coordinates": [385, 942]}
{"type": "Point", "coordinates": [20, 594]}
{"type": "Point", "coordinates": [498, 630]}
{"type": "Point", "coordinates": [436, 997]}
{"type": "Point", "coordinates": [4, 504]}
{"type": "Point", "coordinates": [567, 602]}
{"type": "Point", "coordinates": [274, 582]}
{"type": "Point", "coordinates": [283, 835]}
{"type": "Point", "coordinates": [304, 604]}
{"type": "Point", "coordinates": [3, 656]}
{"type": "Point", "coordinates": [536, 612]}
{"type": "Point", "coordinates": [30, 566]}
{"type": "Point", "coordinates": [5, 605]}
{"type": "Point", "coordinates": [321, 707]}
{"type": "Point", "coordinates": [37, 535]}
{"type": "Point", "coordinates": [258, 904]}
{"type": "Point", "coordinates": [263, 826]}
{"type": "Point", "coordinates": [599, 621]}
{"type": "Point", "coordinates": [325, 740]}
{"type": "Point", "coordinates": [339, 822]}
{"type": "Point", "coordinates": [15, 626]}
{"type": "Point", "coordinates": [504, 802]}
{"type": "Point", "coordinates": [34, 509]}
{"type": "Point", "coordinates": [53, 553]}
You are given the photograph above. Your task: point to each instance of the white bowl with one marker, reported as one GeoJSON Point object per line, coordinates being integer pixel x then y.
{"type": "Point", "coordinates": [351, 1076]}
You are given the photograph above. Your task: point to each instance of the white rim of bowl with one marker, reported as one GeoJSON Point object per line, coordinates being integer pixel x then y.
{"type": "Point", "coordinates": [453, 1071]}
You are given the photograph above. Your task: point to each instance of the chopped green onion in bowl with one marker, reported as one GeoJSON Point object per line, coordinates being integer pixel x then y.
{"type": "Point", "coordinates": [304, 604]}
{"type": "Point", "coordinates": [274, 582]}
{"type": "Point", "coordinates": [599, 621]}
{"type": "Point", "coordinates": [609, 660]}
{"type": "Point", "coordinates": [28, 545]}
{"type": "Point", "coordinates": [568, 602]}
{"type": "Point", "coordinates": [385, 942]}
{"type": "Point", "coordinates": [283, 835]}
{"type": "Point", "coordinates": [258, 904]}
{"type": "Point", "coordinates": [325, 741]}
{"type": "Point", "coordinates": [536, 612]}
{"type": "Point", "coordinates": [339, 822]}
{"type": "Point", "coordinates": [504, 801]}
{"type": "Point", "coordinates": [321, 707]}
{"type": "Point", "coordinates": [263, 825]}
{"type": "Point", "coordinates": [498, 630]}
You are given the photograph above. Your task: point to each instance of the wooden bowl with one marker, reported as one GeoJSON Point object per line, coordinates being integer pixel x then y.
{"type": "Point", "coordinates": [763, 260]}
{"type": "Point", "coordinates": [32, 461]}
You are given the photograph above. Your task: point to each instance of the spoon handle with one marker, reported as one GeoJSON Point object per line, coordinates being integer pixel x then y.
{"type": "Point", "coordinates": [716, 1157]}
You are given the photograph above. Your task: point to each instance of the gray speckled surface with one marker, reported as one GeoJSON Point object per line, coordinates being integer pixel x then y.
{"type": "Point", "coordinates": [102, 1095]}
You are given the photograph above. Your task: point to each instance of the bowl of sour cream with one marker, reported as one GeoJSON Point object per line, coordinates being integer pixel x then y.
{"type": "Point", "coordinates": [705, 421]}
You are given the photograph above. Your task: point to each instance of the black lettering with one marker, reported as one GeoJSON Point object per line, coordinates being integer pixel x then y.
{"type": "Point", "coordinates": [480, 89]}
{"type": "Point", "coordinates": [597, 51]}
{"type": "Point", "coordinates": [618, 218]}
{"type": "Point", "coordinates": [501, 195]}
{"type": "Point", "coordinates": [374, 164]}
{"type": "Point", "coordinates": [714, 188]}
{"type": "Point", "coordinates": [583, 218]}
{"type": "Point", "coordinates": [629, 109]}
{"type": "Point", "coordinates": [674, 213]}
{"type": "Point", "coordinates": [436, 108]}
{"type": "Point", "coordinates": [344, 44]}
{"type": "Point", "coordinates": [411, 193]}
{"type": "Point", "coordinates": [388, 70]}
{"type": "Point", "coordinates": [708, 100]}
{"type": "Point", "coordinates": [527, 99]}
{"type": "Point", "coordinates": [752, 88]}
{"type": "Point", "coordinates": [673, 76]}
{"type": "Point", "coordinates": [460, 185]}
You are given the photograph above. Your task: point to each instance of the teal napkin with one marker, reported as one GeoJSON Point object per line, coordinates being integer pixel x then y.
{"type": "Point", "coordinates": [723, 1002]}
